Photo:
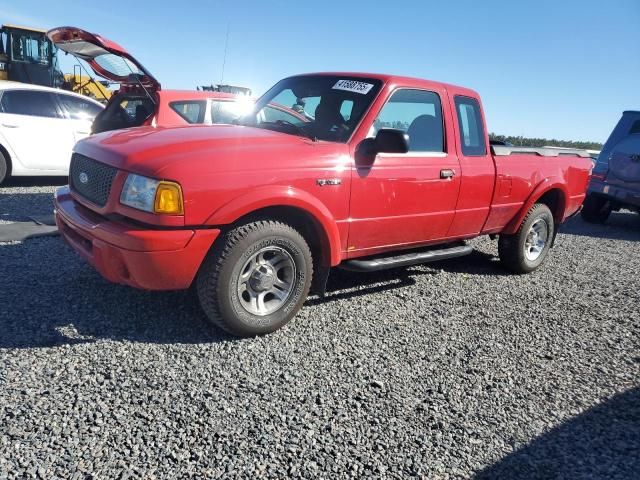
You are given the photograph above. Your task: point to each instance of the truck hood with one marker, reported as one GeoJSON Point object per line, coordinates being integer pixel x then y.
{"type": "Point", "coordinates": [107, 59]}
{"type": "Point", "coordinates": [160, 152]}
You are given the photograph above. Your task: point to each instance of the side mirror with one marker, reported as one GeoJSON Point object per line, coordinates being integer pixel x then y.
{"type": "Point", "coordinates": [387, 140]}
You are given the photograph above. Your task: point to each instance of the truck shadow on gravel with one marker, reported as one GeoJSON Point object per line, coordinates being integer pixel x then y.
{"type": "Point", "coordinates": [344, 284]}
{"type": "Point", "coordinates": [110, 312]}
{"type": "Point", "coordinates": [619, 226]}
{"type": "Point", "coordinates": [51, 298]}
{"type": "Point", "coordinates": [603, 442]}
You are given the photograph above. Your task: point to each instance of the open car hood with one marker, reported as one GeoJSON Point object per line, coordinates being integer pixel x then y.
{"type": "Point", "coordinates": [106, 58]}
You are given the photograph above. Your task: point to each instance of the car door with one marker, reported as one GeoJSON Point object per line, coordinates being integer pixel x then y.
{"type": "Point", "coordinates": [36, 131]}
{"type": "Point", "coordinates": [407, 199]}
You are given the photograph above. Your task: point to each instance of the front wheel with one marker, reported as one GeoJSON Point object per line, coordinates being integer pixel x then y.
{"type": "Point", "coordinates": [256, 278]}
{"type": "Point", "coordinates": [525, 251]}
{"type": "Point", "coordinates": [4, 168]}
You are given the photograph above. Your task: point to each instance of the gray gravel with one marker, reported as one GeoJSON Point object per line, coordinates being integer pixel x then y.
{"type": "Point", "coordinates": [452, 370]}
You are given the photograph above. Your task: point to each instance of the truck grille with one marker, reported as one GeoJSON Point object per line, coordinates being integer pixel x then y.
{"type": "Point", "coordinates": [91, 179]}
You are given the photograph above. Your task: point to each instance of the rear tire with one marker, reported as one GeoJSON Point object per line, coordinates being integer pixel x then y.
{"type": "Point", "coordinates": [4, 168]}
{"type": "Point", "coordinates": [525, 251]}
{"type": "Point", "coordinates": [596, 209]}
{"type": "Point", "coordinates": [256, 278]}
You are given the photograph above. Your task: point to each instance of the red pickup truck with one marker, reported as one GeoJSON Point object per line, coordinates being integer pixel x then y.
{"type": "Point", "coordinates": [378, 171]}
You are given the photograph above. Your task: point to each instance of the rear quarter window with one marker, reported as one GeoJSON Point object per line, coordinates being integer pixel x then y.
{"type": "Point", "coordinates": [192, 111]}
{"type": "Point", "coordinates": [472, 136]}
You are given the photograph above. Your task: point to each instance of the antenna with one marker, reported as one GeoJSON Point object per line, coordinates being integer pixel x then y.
{"type": "Point", "coordinates": [224, 58]}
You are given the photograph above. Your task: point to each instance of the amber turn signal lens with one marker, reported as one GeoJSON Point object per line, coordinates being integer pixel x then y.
{"type": "Point", "coordinates": [168, 199]}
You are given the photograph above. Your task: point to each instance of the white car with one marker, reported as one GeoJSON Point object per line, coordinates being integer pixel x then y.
{"type": "Point", "coordinates": [39, 127]}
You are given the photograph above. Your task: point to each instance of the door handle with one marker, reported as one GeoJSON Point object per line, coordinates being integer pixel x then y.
{"type": "Point", "coordinates": [447, 173]}
{"type": "Point", "coordinates": [9, 125]}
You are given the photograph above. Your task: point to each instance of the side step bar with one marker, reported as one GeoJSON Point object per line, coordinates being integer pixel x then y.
{"type": "Point", "coordinates": [372, 264]}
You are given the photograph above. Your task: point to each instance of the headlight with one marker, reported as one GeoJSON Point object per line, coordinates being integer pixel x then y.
{"type": "Point", "coordinates": [154, 196]}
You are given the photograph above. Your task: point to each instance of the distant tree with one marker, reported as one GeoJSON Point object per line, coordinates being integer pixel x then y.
{"type": "Point", "coordinates": [542, 142]}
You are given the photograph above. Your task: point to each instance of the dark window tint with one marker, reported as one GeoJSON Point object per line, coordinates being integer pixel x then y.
{"type": "Point", "coordinates": [79, 108]}
{"type": "Point", "coordinates": [191, 111]}
{"type": "Point", "coordinates": [635, 127]}
{"type": "Point", "coordinates": [29, 102]}
{"type": "Point", "coordinates": [472, 136]}
{"type": "Point", "coordinates": [419, 114]}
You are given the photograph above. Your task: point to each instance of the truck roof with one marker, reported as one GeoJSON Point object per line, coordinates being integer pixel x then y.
{"type": "Point", "coordinates": [402, 80]}
{"type": "Point", "coordinates": [20, 27]}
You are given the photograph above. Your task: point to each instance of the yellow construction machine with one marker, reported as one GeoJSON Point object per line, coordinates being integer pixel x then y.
{"type": "Point", "coordinates": [27, 55]}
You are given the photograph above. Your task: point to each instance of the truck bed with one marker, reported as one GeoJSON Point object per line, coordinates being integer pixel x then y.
{"type": "Point", "coordinates": [501, 151]}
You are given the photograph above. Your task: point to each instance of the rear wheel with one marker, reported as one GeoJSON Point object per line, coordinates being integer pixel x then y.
{"type": "Point", "coordinates": [256, 278]}
{"type": "Point", "coordinates": [525, 251]}
{"type": "Point", "coordinates": [596, 209]}
{"type": "Point", "coordinates": [4, 168]}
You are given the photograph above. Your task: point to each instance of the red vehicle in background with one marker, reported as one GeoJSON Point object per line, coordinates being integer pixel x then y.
{"type": "Point", "coordinates": [169, 108]}
{"type": "Point", "coordinates": [140, 99]}
{"type": "Point", "coordinates": [377, 171]}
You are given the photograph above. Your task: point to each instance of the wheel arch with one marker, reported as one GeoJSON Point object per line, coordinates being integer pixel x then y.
{"type": "Point", "coordinates": [551, 193]}
{"type": "Point", "coordinates": [297, 208]}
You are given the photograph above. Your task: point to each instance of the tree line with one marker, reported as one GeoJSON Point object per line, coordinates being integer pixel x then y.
{"type": "Point", "coordinates": [542, 142]}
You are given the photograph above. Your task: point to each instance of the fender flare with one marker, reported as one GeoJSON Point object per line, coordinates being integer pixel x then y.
{"type": "Point", "coordinates": [283, 196]}
{"type": "Point", "coordinates": [541, 189]}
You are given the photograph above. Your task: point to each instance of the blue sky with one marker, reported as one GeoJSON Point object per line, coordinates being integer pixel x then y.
{"type": "Point", "coordinates": [562, 69]}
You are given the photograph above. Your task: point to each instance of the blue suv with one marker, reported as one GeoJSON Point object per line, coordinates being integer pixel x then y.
{"type": "Point", "coordinates": [615, 181]}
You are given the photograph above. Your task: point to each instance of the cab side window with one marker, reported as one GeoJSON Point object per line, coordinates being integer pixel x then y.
{"type": "Point", "coordinates": [29, 102]}
{"type": "Point", "coordinates": [419, 114]}
{"type": "Point", "coordinates": [472, 137]}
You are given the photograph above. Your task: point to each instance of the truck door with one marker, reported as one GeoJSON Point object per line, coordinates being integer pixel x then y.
{"type": "Point", "coordinates": [407, 199]}
{"type": "Point", "coordinates": [476, 167]}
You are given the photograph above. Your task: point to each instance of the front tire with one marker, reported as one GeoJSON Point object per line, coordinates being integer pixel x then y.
{"type": "Point", "coordinates": [596, 209]}
{"type": "Point", "coordinates": [525, 251]}
{"type": "Point", "coordinates": [256, 278]}
{"type": "Point", "coordinates": [4, 168]}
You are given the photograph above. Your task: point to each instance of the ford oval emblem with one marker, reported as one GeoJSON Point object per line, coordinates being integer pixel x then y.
{"type": "Point", "coordinates": [83, 177]}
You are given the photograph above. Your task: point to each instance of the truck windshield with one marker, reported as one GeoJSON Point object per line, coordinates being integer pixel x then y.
{"type": "Point", "coordinates": [323, 107]}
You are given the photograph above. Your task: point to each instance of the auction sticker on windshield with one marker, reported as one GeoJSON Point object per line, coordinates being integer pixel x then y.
{"type": "Point", "coordinates": [353, 86]}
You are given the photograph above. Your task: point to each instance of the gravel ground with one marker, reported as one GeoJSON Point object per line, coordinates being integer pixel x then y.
{"type": "Point", "coordinates": [452, 370]}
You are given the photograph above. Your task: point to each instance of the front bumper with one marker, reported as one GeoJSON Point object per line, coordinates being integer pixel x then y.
{"type": "Point", "coordinates": [616, 193]}
{"type": "Point", "coordinates": [131, 255]}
